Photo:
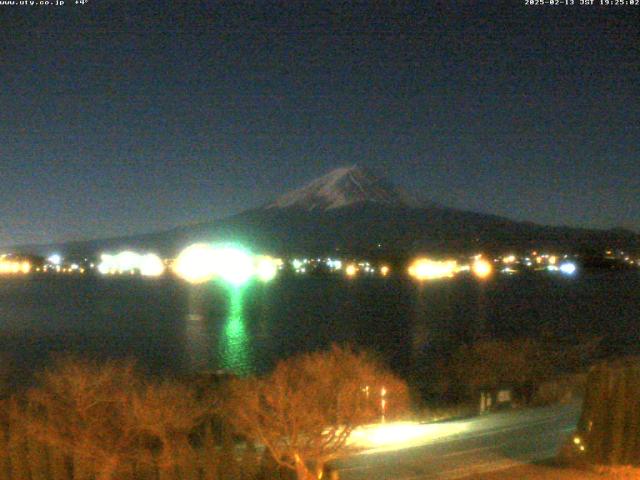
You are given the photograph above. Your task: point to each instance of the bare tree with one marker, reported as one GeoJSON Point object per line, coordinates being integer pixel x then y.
{"type": "Point", "coordinates": [81, 408]}
{"type": "Point", "coordinates": [166, 414]}
{"type": "Point", "coordinates": [105, 415]}
{"type": "Point", "coordinates": [305, 410]}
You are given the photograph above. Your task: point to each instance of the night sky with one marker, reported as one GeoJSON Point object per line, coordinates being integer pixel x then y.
{"type": "Point", "coordinates": [128, 117]}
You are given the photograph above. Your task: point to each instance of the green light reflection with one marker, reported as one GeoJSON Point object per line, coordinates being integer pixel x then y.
{"type": "Point", "coordinates": [235, 342]}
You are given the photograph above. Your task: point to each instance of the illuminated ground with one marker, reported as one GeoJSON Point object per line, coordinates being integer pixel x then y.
{"type": "Point", "coordinates": [461, 448]}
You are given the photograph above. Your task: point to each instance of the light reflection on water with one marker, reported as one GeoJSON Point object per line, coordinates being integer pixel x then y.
{"type": "Point", "coordinates": [246, 330]}
{"type": "Point", "coordinates": [235, 343]}
{"type": "Point", "coordinates": [211, 344]}
{"type": "Point", "coordinates": [169, 326]}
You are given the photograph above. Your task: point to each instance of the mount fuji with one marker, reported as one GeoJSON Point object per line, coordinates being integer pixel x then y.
{"type": "Point", "coordinates": [352, 211]}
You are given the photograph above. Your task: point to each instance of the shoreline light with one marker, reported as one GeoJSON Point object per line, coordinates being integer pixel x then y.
{"type": "Point", "coordinates": [151, 265]}
{"type": "Point", "coordinates": [509, 259]}
{"type": "Point", "coordinates": [196, 263]}
{"type": "Point", "coordinates": [129, 262]}
{"type": "Point", "coordinates": [14, 266]}
{"type": "Point", "coordinates": [482, 268]}
{"type": "Point", "coordinates": [233, 265]}
{"type": "Point", "coordinates": [106, 264]}
{"type": "Point", "coordinates": [55, 259]}
{"type": "Point", "coordinates": [351, 270]}
{"type": "Point", "coordinates": [427, 269]}
{"type": "Point", "coordinates": [201, 262]}
{"type": "Point", "coordinates": [266, 268]}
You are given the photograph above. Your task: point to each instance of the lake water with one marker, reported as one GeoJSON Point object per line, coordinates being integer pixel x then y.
{"type": "Point", "coordinates": [169, 326]}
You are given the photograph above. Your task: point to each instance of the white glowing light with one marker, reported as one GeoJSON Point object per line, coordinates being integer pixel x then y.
{"type": "Point", "coordinates": [568, 268]}
{"type": "Point", "coordinates": [106, 265]}
{"type": "Point", "coordinates": [334, 264]}
{"type": "Point", "coordinates": [127, 261]}
{"type": "Point", "coordinates": [55, 259]}
{"type": "Point", "coordinates": [124, 262]}
{"type": "Point", "coordinates": [233, 265]}
{"type": "Point", "coordinates": [266, 268]}
{"type": "Point", "coordinates": [150, 265]}
{"type": "Point", "coordinates": [196, 263]}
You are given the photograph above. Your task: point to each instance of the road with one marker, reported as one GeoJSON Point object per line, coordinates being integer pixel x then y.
{"type": "Point", "coordinates": [456, 449]}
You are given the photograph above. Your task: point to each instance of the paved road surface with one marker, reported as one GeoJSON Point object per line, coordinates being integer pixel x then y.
{"type": "Point", "coordinates": [460, 448]}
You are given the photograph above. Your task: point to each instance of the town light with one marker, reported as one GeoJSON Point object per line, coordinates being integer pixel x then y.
{"type": "Point", "coordinates": [127, 261]}
{"type": "Point", "coordinates": [151, 265]}
{"type": "Point", "coordinates": [509, 259]}
{"type": "Point", "coordinates": [482, 268]}
{"type": "Point", "coordinates": [196, 263]}
{"type": "Point", "coordinates": [568, 268]}
{"type": "Point", "coordinates": [426, 269]}
{"type": "Point", "coordinates": [14, 266]}
{"type": "Point", "coordinates": [351, 270]}
{"type": "Point", "coordinates": [266, 268]}
{"type": "Point", "coordinates": [106, 264]}
{"type": "Point", "coordinates": [334, 264]}
{"type": "Point", "coordinates": [54, 259]}
{"type": "Point", "coordinates": [233, 265]}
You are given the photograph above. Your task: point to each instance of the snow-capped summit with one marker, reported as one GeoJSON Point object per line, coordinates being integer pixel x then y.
{"type": "Point", "coordinates": [340, 188]}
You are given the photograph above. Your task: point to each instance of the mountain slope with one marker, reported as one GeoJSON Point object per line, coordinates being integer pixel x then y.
{"type": "Point", "coordinates": [341, 188]}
